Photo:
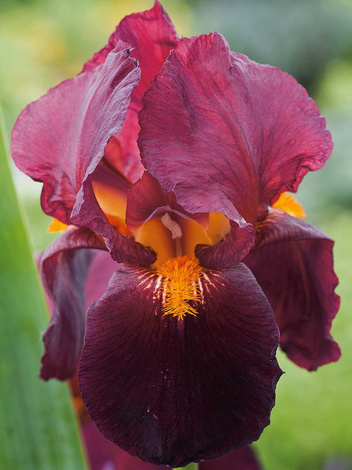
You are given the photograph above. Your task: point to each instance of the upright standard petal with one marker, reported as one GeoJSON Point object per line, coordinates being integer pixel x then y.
{"type": "Point", "coordinates": [200, 386]}
{"type": "Point", "coordinates": [293, 263]}
{"type": "Point", "coordinates": [152, 36]}
{"type": "Point", "coordinates": [64, 267]}
{"type": "Point", "coordinates": [222, 131]}
{"type": "Point", "coordinates": [60, 138]}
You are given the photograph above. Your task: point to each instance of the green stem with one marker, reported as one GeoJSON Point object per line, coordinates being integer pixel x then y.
{"type": "Point", "coordinates": [190, 466]}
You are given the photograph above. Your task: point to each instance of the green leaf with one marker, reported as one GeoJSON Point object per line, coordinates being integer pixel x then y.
{"type": "Point", "coordinates": [38, 429]}
{"type": "Point", "coordinates": [190, 466]}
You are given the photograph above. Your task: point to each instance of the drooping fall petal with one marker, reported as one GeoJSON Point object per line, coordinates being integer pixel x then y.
{"type": "Point", "coordinates": [104, 455]}
{"type": "Point", "coordinates": [152, 36]}
{"type": "Point", "coordinates": [293, 264]}
{"type": "Point", "coordinates": [64, 268]}
{"type": "Point", "coordinates": [200, 386]}
{"type": "Point", "coordinates": [221, 130]}
{"type": "Point", "coordinates": [60, 138]}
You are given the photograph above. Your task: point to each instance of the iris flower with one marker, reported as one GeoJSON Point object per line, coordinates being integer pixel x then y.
{"type": "Point", "coordinates": [208, 256]}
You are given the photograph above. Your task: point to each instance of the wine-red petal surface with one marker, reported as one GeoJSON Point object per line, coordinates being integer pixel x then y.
{"type": "Point", "coordinates": [101, 269]}
{"type": "Point", "coordinates": [229, 251]}
{"type": "Point", "coordinates": [64, 267]}
{"type": "Point", "coordinates": [152, 36]}
{"type": "Point", "coordinates": [147, 199]}
{"type": "Point", "coordinates": [104, 455]}
{"type": "Point", "coordinates": [293, 264]}
{"type": "Point", "coordinates": [171, 391]}
{"type": "Point", "coordinates": [222, 131]}
{"type": "Point", "coordinates": [60, 138]}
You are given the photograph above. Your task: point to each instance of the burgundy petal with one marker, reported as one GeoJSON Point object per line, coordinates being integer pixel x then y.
{"type": "Point", "coordinates": [294, 266]}
{"type": "Point", "coordinates": [60, 138]}
{"type": "Point", "coordinates": [146, 198]}
{"type": "Point", "coordinates": [152, 36]}
{"type": "Point", "coordinates": [64, 267]}
{"type": "Point", "coordinates": [222, 131]}
{"type": "Point", "coordinates": [229, 251]}
{"type": "Point", "coordinates": [101, 269]}
{"type": "Point", "coordinates": [104, 455]}
{"type": "Point", "coordinates": [239, 459]}
{"type": "Point", "coordinates": [173, 391]}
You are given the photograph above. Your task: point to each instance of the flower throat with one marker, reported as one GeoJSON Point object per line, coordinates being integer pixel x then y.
{"type": "Point", "coordinates": [180, 285]}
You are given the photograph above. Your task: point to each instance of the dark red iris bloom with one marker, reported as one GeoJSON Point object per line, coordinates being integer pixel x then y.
{"type": "Point", "coordinates": [177, 356]}
{"type": "Point", "coordinates": [103, 454]}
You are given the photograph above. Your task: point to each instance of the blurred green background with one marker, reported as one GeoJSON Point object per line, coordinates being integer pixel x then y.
{"type": "Point", "coordinates": [44, 42]}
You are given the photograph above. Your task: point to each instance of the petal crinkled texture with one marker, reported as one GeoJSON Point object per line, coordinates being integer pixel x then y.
{"type": "Point", "coordinates": [173, 391]}
{"type": "Point", "coordinates": [224, 132]}
{"type": "Point", "coordinates": [60, 138]}
{"type": "Point", "coordinates": [152, 36]}
{"type": "Point", "coordinates": [293, 264]}
{"type": "Point", "coordinates": [64, 268]}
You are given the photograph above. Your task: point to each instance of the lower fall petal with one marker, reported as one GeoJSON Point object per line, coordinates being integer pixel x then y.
{"type": "Point", "coordinates": [171, 390]}
{"type": "Point", "coordinates": [104, 455]}
{"type": "Point", "coordinates": [293, 264]}
{"type": "Point", "coordinates": [64, 268]}
{"type": "Point", "coordinates": [238, 459]}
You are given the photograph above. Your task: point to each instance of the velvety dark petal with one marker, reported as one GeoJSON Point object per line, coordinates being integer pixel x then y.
{"type": "Point", "coordinates": [239, 459]}
{"type": "Point", "coordinates": [152, 36]}
{"type": "Point", "coordinates": [221, 130]}
{"type": "Point", "coordinates": [172, 391]}
{"type": "Point", "coordinates": [104, 455]}
{"type": "Point", "coordinates": [293, 264]}
{"type": "Point", "coordinates": [64, 267]}
{"type": "Point", "coordinates": [60, 138]}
